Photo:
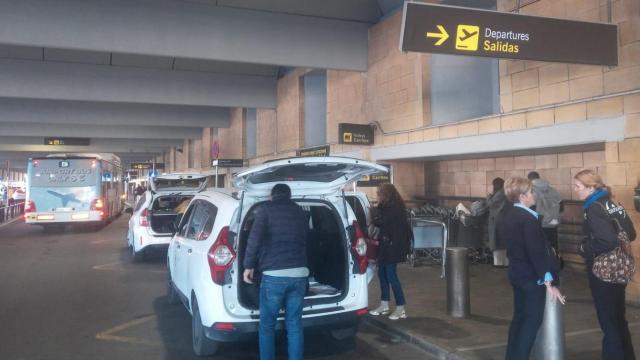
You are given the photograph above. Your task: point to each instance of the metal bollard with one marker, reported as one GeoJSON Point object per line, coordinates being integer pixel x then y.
{"type": "Point", "coordinates": [549, 343]}
{"type": "Point", "coordinates": [457, 282]}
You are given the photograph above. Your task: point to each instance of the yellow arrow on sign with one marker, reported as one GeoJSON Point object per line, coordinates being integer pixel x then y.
{"type": "Point", "coordinates": [442, 35]}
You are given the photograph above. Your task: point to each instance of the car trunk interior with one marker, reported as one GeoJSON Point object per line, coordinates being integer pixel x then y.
{"type": "Point", "coordinates": [326, 257]}
{"type": "Point", "coordinates": [164, 217]}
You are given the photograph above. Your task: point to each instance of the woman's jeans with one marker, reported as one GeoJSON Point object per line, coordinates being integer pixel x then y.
{"type": "Point", "coordinates": [528, 311]}
{"type": "Point", "coordinates": [609, 300]}
{"type": "Point", "coordinates": [277, 293]}
{"type": "Point", "coordinates": [388, 275]}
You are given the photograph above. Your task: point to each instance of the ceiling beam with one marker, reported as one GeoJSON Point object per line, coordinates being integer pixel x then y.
{"type": "Point", "coordinates": [100, 131]}
{"type": "Point", "coordinates": [106, 113]}
{"type": "Point", "coordinates": [113, 143]}
{"type": "Point", "coordinates": [133, 149]}
{"type": "Point", "coordinates": [85, 82]}
{"type": "Point", "coordinates": [186, 29]}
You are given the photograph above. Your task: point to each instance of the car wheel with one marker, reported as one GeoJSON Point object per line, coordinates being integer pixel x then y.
{"type": "Point", "coordinates": [172, 294]}
{"type": "Point", "coordinates": [202, 345]}
{"type": "Point", "coordinates": [345, 337]}
{"type": "Point", "coordinates": [138, 256]}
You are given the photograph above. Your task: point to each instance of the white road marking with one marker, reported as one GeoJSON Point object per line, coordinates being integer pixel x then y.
{"type": "Point", "coordinates": [11, 221]}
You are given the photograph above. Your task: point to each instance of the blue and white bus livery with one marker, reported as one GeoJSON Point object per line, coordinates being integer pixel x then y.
{"type": "Point", "coordinates": [73, 188]}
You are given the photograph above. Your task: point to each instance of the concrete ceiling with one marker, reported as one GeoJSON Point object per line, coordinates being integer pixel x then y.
{"type": "Point", "coordinates": [144, 75]}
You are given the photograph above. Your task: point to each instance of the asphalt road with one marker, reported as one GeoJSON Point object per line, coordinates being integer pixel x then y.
{"type": "Point", "coordinates": [76, 294]}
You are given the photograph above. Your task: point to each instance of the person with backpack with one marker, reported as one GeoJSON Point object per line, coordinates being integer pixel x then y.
{"type": "Point", "coordinates": [601, 220]}
{"type": "Point", "coordinates": [548, 205]}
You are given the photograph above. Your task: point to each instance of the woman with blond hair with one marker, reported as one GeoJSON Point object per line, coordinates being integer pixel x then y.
{"type": "Point", "coordinates": [394, 245]}
{"type": "Point", "coordinates": [601, 236]}
{"type": "Point", "coordinates": [531, 267]}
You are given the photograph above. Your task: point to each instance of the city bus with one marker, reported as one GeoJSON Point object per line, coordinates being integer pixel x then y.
{"type": "Point", "coordinates": [73, 188]}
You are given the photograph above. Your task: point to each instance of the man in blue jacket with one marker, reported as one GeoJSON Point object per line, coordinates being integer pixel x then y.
{"type": "Point", "coordinates": [277, 248]}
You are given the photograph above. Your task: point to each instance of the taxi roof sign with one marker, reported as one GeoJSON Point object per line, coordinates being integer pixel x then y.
{"type": "Point", "coordinates": [463, 31]}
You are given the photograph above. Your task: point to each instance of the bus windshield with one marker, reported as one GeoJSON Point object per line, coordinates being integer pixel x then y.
{"type": "Point", "coordinates": [64, 173]}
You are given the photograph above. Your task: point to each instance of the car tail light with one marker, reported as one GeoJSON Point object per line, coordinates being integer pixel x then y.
{"type": "Point", "coordinates": [362, 312]}
{"type": "Point", "coordinates": [97, 204]}
{"type": "Point", "coordinates": [144, 217]}
{"type": "Point", "coordinates": [359, 248]}
{"type": "Point", "coordinates": [224, 326]}
{"type": "Point", "coordinates": [220, 256]}
{"type": "Point", "coordinates": [30, 206]}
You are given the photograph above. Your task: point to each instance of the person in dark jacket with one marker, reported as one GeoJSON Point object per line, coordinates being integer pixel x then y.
{"type": "Point", "coordinates": [276, 248]}
{"type": "Point", "coordinates": [497, 203]}
{"type": "Point", "coordinates": [601, 237]}
{"type": "Point", "coordinates": [394, 245]}
{"type": "Point", "coordinates": [531, 267]}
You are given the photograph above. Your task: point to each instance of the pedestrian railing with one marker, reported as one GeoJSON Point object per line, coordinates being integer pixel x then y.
{"type": "Point", "coordinates": [11, 212]}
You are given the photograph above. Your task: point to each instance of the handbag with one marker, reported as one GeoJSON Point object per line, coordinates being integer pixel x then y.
{"type": "Point", "coordinates": [616, 266]}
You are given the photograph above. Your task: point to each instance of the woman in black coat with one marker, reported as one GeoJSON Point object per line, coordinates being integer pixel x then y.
{"type": "Point", "coordinates": [601, 237]}
{"type": "Point", "coordinates": [395, 243]}
{"type": "Point", "coordinates": [531, 267]}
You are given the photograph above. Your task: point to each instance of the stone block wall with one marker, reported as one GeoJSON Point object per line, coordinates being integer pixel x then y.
{"type": "Point", "coordinates": [397, 85]}
{"type": "Point", "coordinates": [232, 139]}
{"type": "Point", "coordinates": [266, 136]}
{"type": "Point", "coordinates": [345, 101]}
{"type": "Point", "coordinates": [525, 84]}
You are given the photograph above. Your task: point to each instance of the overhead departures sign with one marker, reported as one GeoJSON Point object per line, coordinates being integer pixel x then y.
{"type": "Point", "coordinates": [462, 31]}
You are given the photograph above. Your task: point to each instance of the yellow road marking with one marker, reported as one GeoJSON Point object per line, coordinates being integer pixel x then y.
{"type": "Point", "coordinates": [105, 266]}
{"type": "Point", "coordinates": [108, 334]}
{"type": "Point", "coordinates": [112, 267]}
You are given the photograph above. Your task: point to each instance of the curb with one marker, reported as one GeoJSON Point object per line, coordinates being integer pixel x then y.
{"type": "Point", "coordinates": [427, 347]}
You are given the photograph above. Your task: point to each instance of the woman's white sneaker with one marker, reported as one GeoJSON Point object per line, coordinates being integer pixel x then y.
{"type": "Point", "coordinates": [398, 313]}
{"type": "Point", "coordinates": [383, 309]}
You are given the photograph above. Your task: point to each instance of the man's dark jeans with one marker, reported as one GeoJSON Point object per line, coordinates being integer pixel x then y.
{"type": "Point", "coordinates": [528, 312]}
{"type": "Point", "coordinates": [277, 293]}
{"type": "Point", "coordinates": [388, 274]}
{"type": "Point", "coordinates": [609, 300]}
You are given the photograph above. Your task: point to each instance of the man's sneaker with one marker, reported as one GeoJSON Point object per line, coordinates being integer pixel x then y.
{"type": "Point", "coordinates": [380, 310]}
{"type": "Point", "coordinates": [398, 313]}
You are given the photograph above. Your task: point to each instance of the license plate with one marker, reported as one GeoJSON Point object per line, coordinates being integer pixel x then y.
{"type": "Point", "coordinates": [79, 216]}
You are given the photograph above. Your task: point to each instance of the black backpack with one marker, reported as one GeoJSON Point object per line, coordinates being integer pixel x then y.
{"type": "Point", "coordinates": [617, 211]}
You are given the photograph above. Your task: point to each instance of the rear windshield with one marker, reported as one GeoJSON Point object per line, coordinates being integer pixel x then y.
{"type": "Point", "coordinates": [170, 203]}
{"type": "Point", "coordinates": [64, 173]}
{"type": "Point", "coordinates": [302, 172]}
{"type": "Point", "coordinates": [187, 184]}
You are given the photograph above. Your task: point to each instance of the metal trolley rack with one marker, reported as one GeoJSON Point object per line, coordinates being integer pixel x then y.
{"type": "Point", "coordinates": [430, 239]}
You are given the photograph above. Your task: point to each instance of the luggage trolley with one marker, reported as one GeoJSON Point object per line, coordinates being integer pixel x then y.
{"type": "Point", "coordinates": [430, 239]}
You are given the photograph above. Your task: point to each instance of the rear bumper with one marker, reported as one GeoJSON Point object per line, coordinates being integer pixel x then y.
{"type": "Point", "coordinates": [146, 240]}
{"type": "Point", "coordinates": [151, 248]}
{"type": "Point", "coordinates": [249, 330]}
{"type": "Point", "coordinates": [63, 217]}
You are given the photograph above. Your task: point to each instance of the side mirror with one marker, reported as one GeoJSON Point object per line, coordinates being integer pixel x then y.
{"type": "Point", "coordinates": [636, 198]}
{"type": "Point", "coordinates": [129, 211]}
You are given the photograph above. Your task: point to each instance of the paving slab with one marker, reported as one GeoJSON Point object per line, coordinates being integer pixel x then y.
{"type": "Point", "coordinates": [484, 334]}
